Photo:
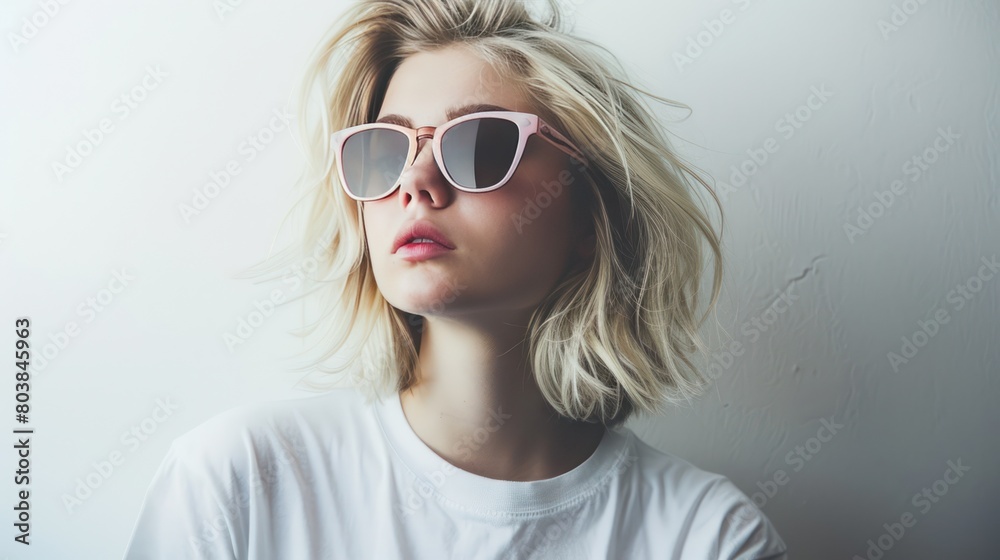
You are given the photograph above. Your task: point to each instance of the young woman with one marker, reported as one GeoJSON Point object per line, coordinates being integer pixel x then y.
{"type": "Point", "coordinates": [515, 260]}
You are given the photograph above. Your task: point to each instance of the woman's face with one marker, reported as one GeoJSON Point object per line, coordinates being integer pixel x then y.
{"type": "Point", "coordinates": [509, 251]}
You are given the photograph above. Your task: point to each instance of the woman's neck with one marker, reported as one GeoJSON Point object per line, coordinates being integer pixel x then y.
{"type": "Point", "coordinates": [477, 405]}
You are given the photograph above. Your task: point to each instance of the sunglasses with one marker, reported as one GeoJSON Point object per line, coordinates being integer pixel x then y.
{"type": "Point", "coordinates": [478, 152]}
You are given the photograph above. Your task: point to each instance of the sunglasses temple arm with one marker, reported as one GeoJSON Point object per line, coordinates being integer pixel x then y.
{"type": "Point", "coordinates": [560, 141]}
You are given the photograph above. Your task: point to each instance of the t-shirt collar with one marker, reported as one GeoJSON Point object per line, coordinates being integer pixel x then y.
{"type": "Point", "coordinates": [461, 489]}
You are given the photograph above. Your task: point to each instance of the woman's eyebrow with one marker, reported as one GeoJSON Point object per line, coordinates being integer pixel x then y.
{"type": "Point", "coordinates": [452, 113]}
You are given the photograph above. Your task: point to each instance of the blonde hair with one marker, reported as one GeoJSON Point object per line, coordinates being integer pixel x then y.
{"type": "Point", "coordinates": [610, 340]}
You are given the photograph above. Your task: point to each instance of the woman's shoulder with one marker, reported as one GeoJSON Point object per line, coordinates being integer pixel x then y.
{"type": "Point", "coordinates": [715, 511]}
{"type": "Point", "coordinates": [673, 478]}
{"type": "Point", "coordinates": [251, 460]}
{"type": "Point", "coordinates": [288, 429]}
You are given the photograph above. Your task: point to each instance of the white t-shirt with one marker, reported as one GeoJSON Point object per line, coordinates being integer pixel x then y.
{"type": "Point", "coordinates": [329, 476]}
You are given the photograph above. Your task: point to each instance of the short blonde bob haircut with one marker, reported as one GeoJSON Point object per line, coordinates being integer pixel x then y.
{"type": "Point", "coordinates": [612, 339]}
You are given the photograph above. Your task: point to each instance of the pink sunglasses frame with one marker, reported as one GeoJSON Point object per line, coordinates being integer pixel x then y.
{"type": "Point", "coordinates": [527, 124]}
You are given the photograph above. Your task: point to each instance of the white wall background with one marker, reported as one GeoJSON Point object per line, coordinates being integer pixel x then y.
{"type": "Point", "coordinates": [854, 298]}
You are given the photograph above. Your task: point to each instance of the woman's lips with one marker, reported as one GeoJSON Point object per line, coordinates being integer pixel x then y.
{"type": "Point", "coordinates": [421, 251]}
{"type": "Point", "coordinates": [420, 230]}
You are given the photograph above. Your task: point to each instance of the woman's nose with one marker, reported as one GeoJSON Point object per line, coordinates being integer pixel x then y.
{"type": "Point", "coordinates": [424, 178]}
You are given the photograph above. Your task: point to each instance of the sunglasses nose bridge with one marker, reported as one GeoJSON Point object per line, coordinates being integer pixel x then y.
{"type": "Point", "coordinates": [425, 132]}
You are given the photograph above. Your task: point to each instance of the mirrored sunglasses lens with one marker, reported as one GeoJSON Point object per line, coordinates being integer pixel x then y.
{"type": "Point", "coordinates": [373, 160]}
{"type": "Point", "coordinates": [478, 153]}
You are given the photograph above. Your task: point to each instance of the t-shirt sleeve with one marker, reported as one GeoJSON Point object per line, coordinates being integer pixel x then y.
{"type": "Point", "coordinates": [182, 514]}
{"type": "Point", "coordinates": [743, 531]}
